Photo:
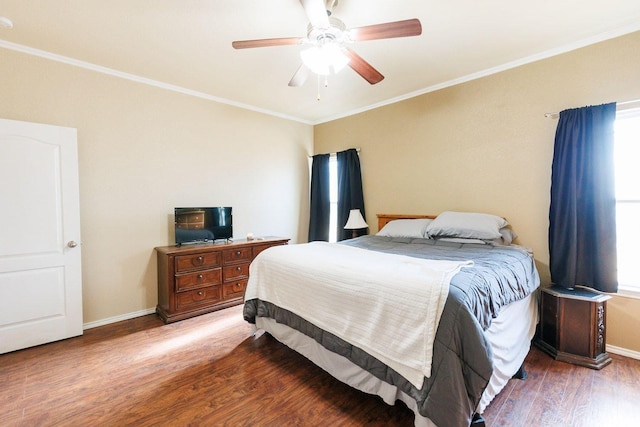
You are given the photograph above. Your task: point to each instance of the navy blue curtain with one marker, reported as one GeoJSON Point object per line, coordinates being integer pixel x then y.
{"type": "Point", "coordinates": [350, 194]}
{"type": "Point", "coordinates": [320, 203]}
{"type": "Point", "coordinates": [582, 217]}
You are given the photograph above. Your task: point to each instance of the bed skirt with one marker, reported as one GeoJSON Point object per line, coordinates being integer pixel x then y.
{"type": "Point", "coordinates": [509, 335]}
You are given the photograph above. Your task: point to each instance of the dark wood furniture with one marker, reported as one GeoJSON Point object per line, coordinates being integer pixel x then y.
{"type": "Point", "coordinates": [572, 328]}
{"type": "Point", "coordinates": [201, 278]}
{"type": "Point", "coordinates": [383, 219]}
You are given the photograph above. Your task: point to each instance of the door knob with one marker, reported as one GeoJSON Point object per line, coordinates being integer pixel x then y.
{"type": "Point", "coordinates": [72, 244]}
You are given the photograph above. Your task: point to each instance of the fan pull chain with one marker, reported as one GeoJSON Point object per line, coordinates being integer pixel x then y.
{"type": "Point", "coordinates": [326, 84]}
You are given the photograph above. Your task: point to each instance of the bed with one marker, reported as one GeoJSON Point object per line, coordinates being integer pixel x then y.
{"type": "Point", "coordinates": [427, 311]}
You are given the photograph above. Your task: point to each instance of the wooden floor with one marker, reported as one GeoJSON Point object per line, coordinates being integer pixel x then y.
{"type": "Point", "coordinates": [209, 371]}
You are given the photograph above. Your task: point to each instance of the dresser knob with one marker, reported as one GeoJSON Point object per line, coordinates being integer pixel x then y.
{"type": "Point", "coordinates": [238, 268]}
{"type": "Point", "coordinates": [238, 253]}
{"type": "Point", "coordinates": [200, 276]}
{"type": "Point", "coordinates": [199, 293]}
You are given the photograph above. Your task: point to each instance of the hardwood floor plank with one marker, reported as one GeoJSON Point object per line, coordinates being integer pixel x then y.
{"type": "Point", "coordinates": [627, 392]}
{"type": "Point", "coordinates": [515, 408]}
{"type": "Point", "coordinates": [547, 409]}
{"type": "Point", "coordinates": [576, 411]}
{"type": "Point", "coordinates": [603, 396]}
{"type": "Point", "coordinates": [210, 371]}
{"type": "Point", "coordinates": [13, 375]}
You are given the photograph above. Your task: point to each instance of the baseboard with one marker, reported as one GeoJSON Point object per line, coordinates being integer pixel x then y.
{"type": "Point", "coordinates": [120, 318]}
{"type": "Point", "coordinates": [623, 352]}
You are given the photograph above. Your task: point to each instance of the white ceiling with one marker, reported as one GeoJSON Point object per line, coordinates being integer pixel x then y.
{"type": "Point", "coordinates": [185, 45]}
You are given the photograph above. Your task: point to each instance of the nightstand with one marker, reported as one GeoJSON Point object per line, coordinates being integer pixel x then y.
{"type": "Point", "coordinates": [572, 327]}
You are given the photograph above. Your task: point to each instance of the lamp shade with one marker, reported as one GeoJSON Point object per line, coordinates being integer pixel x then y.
{"type": "Point", "coordinates": [355, 220]}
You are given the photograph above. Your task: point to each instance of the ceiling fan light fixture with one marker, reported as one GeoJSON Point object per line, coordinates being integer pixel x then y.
{"type": "Point", "coordinates": [325, 59]}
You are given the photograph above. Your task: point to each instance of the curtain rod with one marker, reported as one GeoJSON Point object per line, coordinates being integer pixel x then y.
{"type": "Point", "coordinates": [357, 150]}
{"type": "Point", "coordinates": [555, 115]}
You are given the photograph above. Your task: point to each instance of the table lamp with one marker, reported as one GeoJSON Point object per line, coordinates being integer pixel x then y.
{"type": "Point", "coordinates": [355, 222]}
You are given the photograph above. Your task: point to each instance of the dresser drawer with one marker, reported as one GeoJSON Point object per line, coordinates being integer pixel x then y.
{"type": "Point", "coordinates": [233, 256]}
{"type": "Point", "coordinates": [259, 248]}
{"type": "Point", "coordinates": [197, 261]}
{"type": "Point", "coordinates": [235, 272]}
{"type": "Point", "coordinates": [198, 297]}
{"type": "Point", "coordinates": [234, 289]}
{"type": "Point", "coordinates": [198, 279]}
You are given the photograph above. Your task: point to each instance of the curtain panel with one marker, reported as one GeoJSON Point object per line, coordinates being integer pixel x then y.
{"type": "Point", "coordinates": [350, 195]}
{"type": "Point", "coordinates": [320, 203]}
{"type": "Point", "coordinates": [582, 217]}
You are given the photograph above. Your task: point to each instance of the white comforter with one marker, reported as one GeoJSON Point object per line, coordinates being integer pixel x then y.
{"type": "Point", "coordinates": [387, 305]}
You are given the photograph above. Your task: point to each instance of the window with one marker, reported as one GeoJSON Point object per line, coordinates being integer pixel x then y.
{"type": "Point", "coordinates": [627, 169]}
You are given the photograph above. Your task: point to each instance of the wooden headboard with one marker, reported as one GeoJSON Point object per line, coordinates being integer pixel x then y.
{"type": "Point", "coordinates": [383, 219]}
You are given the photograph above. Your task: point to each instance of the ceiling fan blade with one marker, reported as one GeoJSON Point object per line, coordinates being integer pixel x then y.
{"type": "Point", "coordinates": [300, 76]}
{"type": "Point", "coordinates": [363, 68]}
{"type": "Point", "coordinates": [409, 27]}
{"type": "Point", "coordinates": [316, 13]}
{"type": "Point", "coordinates": [245, 44]}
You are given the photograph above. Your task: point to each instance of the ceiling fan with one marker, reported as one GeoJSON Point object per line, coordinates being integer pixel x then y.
{"type": "Point", "coordinates": [326, 43]}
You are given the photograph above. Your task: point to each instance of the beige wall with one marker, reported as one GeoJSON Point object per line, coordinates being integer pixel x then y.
{"type": "Point", "coordinates": [479, 146]}
{"type": "Point", "coordinates": [486, 146]}
{"type": "Point", "coordinates": [143, 151]}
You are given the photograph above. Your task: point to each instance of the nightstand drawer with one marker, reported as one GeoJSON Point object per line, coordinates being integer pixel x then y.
{"type": "Point", "coordinates": [233, 256]}
{"type": "Point", "coordinates": [197, 261]}
{"type": "Point", "coordinates": [198, 279]}
{"type": "Point", "coordinates": [197, 297]}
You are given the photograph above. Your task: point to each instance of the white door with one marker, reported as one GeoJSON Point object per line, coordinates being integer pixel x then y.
{"type": "Point", "coordinates": [40, 270]}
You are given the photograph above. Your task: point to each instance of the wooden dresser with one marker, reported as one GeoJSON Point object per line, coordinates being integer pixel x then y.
{"type": "Point", "coordinates": [198, 279]}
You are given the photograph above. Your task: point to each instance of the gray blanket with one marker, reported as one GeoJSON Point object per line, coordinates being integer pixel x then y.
{"type": "Point", "coordinates": [462, 359]}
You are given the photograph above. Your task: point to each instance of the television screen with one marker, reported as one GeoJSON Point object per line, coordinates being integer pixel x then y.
{"type": "Point", "coordinates": [202, 225]}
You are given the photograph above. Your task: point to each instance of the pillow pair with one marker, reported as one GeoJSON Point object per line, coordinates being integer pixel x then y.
{"type": "Point", "coordinates": [453, 225]}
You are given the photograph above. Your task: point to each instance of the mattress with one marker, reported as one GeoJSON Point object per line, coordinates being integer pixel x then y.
{"type": "Point", "coordinates": [463, 354]}
{"type": "Point", "coordinates": [509, 335]}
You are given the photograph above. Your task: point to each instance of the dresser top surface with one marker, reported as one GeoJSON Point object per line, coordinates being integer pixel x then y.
{"type": "Point", "coordinates": [200, 247]}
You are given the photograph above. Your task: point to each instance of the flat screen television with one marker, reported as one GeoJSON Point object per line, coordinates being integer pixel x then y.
{"type": "Point", "coordinates": [203, 225]}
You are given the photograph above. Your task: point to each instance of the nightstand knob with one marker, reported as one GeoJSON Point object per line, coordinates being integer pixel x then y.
{"type": "Point", "coordinates": [199, 293]}
{"type": "Point", "coordinates": [200, 276]}
{"type": "Point", "coordinates": [238, 268]}
{"type": "Point", "coordinates": [238, 253]}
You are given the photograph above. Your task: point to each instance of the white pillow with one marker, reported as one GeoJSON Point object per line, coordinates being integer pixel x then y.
{"type": "Point", "coordinates": [415, 228]}
{"type": "Point", "coordinates": [467, 225]}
